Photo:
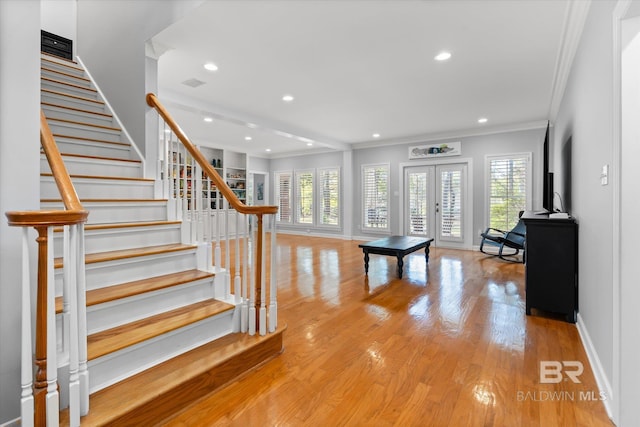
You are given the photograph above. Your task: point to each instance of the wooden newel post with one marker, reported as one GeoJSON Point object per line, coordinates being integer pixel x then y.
{"type": "Point", "coordinates": [40, 383]}
{"type": "Point", "coordinates": [258, 270]}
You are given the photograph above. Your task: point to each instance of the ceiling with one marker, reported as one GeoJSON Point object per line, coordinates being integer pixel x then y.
{"type": "Point", "coordinates": [357, 68]}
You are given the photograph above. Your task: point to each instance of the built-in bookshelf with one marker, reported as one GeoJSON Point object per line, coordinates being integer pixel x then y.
{"type": "Point", "coordinates": [232, 167]}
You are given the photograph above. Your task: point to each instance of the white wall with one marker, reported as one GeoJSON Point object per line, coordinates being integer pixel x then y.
{"type": "Point", "coordinates": [59, 17]}
{"type": "Point", "coordinates": [630, 235]}
{"type": "Point", "coordinates": [19, 174]}
{"type": "Point", "coordinates": [111, 43]}
{"type": "Point", "coordinates": [585, 115]}
{"type": "Point", "coordinates": [473, 147]}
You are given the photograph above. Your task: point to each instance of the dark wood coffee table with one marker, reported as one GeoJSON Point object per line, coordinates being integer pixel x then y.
{"type": "Point", "coordinates": [397, 246]}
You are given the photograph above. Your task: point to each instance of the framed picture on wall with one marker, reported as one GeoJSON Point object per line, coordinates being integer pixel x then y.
{"type": "Point", "coordinates": [435, 150]}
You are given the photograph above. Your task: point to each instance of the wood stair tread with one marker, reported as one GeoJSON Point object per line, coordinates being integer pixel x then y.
{"type": "Point", "coordinates": [60, 82]}
{"type": "Point", "coordinates": [122, 178]}
{"type": "Point", "coordinates": [137, 287]}
{"type": "Point", "coordinates": [81, 138]}
{"type": "Point", "coordinates": [79, 110]}
{"type": "Point", "coordinates": [129, 253]}
{"type": "Point", "coordinates": [120, 337]}
{"type": "Point", "coordinates": [68, 95]}
{"type": "Point", "coordinates": [74, 122]}
{"type": "Point", "coordinates": [157, 393]}
{"type": "Point", "coordinates": [109, 200]}
{"type": "Point", "coordinates": [51, 70]}
{"type": "Point", "coordinates": [44, 56]}
{"type": "Point", "coordinates": [116, 225]}
{"type": "Point", "coordinates": [108, 159]}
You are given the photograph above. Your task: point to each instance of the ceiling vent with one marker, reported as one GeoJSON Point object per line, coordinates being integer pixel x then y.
{"type": "Point", "coordinates": [193, 82]}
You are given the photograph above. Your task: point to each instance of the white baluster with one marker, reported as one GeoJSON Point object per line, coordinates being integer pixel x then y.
{"type": "Point", "coordinates": [26, 371]}
{"type": "Point", "coordinates": [71, 301]}
{"type": "Point", "coordinates": [273, 282]}
{"type": "Point", "coordinates": [227, 257]}
{"type": "Point", "coordinates": [52, 398]}
{"type": "Point", "coordinates": [83, 371]}
{"type": "Point", "coordinates": [252, 288]}
{"type": "Point", "coordinates": [263, 282]}
{"type": "Point", "coordinates": [245, 282]}
{"type": "Point", "coordinates": [237, 281]}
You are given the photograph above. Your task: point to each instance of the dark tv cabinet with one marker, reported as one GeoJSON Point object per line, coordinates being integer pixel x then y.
{"type": "Point", "coordinates": [551, 265]}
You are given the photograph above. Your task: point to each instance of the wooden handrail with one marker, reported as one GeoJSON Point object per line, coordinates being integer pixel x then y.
{"type": "Point", "coordinates": [222, 186]}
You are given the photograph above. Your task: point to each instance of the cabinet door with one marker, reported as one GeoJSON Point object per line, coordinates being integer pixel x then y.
{"type": "Point", "coordinates": [551, 275]}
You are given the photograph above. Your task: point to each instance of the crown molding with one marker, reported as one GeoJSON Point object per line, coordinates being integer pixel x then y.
{"type": "Point", "coordinates": [464, 133]}
{"type": "Point", "coordinates": [574, 20]}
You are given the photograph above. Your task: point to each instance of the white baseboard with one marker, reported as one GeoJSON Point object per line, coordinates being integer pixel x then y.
{"type": "Point", "coordinates": [12, 423]}
{"type": "Point", "coordinates": [602, 381]}
{"type": "Point", "coordinates": [312, 234]}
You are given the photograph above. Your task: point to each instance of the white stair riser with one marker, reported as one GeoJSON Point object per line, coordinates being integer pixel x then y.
{"type": "Point", "coordinates": [101, 213]}
{"type": "Point", "coordinates": [93, 148]}
{"type": "Point", "coordinates": [109, 315]}
{"type": "Point", "coordinates": [100, 275]}
{"type": "Point", "coordinates": [53, 64]}
{"type": "Point", "coordinates": [68, 101]}
{"type": "Point", "coordinates": [64, 76]}
{"type": "Point", "coordinates": [85, 166]}
{"type": "Point", "coordinates": [99, 189]}
{"type": "Point", "coordinates": [123, 238]}
{"type": "Point", "coordinates": [55, 112]}
{"type": "Point", "coordinates": [78, 130]}
{"type": "Point", "coordinates": [71, 90]}
{"type": "Point", "coordinates": [114, 367]}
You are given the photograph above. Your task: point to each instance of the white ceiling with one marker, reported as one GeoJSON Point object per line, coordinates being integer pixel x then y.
{"type": "Point", "coordinates": [356, 68]}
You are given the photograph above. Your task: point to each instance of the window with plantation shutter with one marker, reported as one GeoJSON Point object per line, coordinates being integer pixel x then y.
{"type": "Point", "coordinates": [283, 196]}
{"type": "Point", "coordinates": [304, 197]}
{"type": "Point", "coordinates": [329, 196]}
{"type": "Point", "coordinates": [509, 188]}
{"type": "Point", "coordinates": [451, 201]}
{"type": "Point", "coordinates": [375, 196]}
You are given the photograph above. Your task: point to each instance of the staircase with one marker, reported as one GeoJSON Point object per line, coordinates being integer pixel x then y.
{"type": "Point", "coordinates": [160, 331]}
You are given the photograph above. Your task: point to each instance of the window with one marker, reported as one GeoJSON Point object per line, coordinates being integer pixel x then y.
{"type": "Point", "coordinates": [375, 196]}
{"type": "Point", "coordinates": [509, 188]}
{"type": "Point", "coordinates": [451, 198]}
{"type": "Point", "coordinates": [304, 197]}
{"type": "Point", "coordinates": [329, 196]}
{"type": "Point", "coordinates": [283, 196]}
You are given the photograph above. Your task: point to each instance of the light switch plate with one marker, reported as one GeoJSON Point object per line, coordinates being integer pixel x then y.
{"type": "Point", "coordinates": [604, 175]}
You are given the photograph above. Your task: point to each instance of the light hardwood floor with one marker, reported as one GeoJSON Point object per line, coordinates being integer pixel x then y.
{"type": "Point", "coordinates": [451, 346]}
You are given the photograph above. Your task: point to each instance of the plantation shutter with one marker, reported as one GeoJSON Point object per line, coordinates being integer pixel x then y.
{"type": "Point", "coordinates": [451, 209]}
{"type": "Point", "coordinates": [507, 190]}
{"type": "Point", "coordinates": [283, 192]}
{"type": "Point", "coordinates": [329, 197]}
{"type": "Point", "coordinates": [304, 197]}
{"type": "Point", "coordinates": [375, 195]}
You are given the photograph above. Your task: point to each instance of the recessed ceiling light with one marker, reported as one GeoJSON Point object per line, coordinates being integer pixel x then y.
{"type": "Point", "coordinates": [483, 120]}
{"type": "Point", "coordinates": [208, 119]}
{"type": "Point", "coordinates": [268, 150]}
{"type": "Point", "coordinates": [210, 66]}
{"type": "Point", "coordinates": [247, 138]}
{"type": "Point", "coordinates": [442, 56]}
{"type": "Point", "coordinates": [309, 144]}
{"type": "Point", "coordinates": [287, 98]}
{"type": "Point", "coordinates": [376, 135]}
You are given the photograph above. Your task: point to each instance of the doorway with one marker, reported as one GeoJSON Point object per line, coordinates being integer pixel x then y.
{"type": "Point", "coordinates": [435, 203]}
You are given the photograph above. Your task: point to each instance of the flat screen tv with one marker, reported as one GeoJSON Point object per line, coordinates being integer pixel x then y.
{"type": "Point", "coordinates": [547, 177]}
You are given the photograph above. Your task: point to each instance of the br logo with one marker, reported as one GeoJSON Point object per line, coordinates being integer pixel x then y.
{"type": "Point", "coordinates": [553, 371]}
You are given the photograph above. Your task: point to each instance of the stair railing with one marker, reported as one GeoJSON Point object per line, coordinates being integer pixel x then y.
{"type": "Point", "coordinates": [214, 215]}
{"type": "Point", "coordinates": [39, 402]}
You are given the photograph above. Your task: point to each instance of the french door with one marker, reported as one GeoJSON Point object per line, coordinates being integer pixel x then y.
{"type": "Point", "coordinates": [434, 202]}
